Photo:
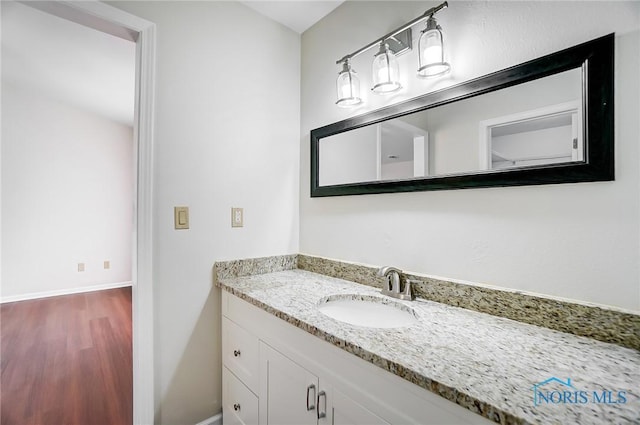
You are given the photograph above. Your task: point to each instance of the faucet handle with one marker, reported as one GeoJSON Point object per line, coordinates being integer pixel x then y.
{"type": "Point", "coordinates": [407, 288]}
{"type": "Point", "coordinates": [408, 291]}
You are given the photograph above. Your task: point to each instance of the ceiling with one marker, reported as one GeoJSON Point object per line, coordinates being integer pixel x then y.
{"type": "Point", "coordinates": [297, 15]}
{"type": "Point", "coordinates": [95, 71]}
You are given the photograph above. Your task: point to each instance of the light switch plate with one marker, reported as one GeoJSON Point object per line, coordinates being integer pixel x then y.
{"type": "Point", "coordinates": [107, 264]}
{"type": "Point", "coordinates": [237, 217]}
{"type": "Point", "coordinates": [80, 267]}
{"type": "Point", "coordinates": [181, 217]}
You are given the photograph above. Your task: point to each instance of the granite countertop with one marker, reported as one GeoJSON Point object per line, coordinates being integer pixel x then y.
{"type": "Point", "coordinates": [485, 363]}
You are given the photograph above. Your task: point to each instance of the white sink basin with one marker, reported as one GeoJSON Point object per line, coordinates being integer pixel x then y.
{"type": "Point", "coordinates": [367, 311]}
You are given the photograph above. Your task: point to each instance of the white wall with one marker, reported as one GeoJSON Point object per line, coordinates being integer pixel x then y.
{"type": "Point", "coordinates": [67, 192]}
{"type": "Point", "coordinates": [578, 241]}
{"type": "Point", "coordinates": [226, 135]}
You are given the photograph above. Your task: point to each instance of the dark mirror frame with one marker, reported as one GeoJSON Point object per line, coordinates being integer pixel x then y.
{"type": "Point", "coordinates": [596, 58]}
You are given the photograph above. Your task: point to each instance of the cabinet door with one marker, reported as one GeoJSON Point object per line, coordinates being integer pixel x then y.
{"type": "Point", "coordinates": [239, 404]}
{"type": "Point", "coordinates": [288, 392]}
{"type": "Point", "coordinates": [347, 412]}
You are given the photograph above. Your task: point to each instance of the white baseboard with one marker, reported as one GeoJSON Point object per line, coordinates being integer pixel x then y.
{"type": "Point", "coordinates": [57, 292]}
{"type": "Point", "coordinates": [214, 420]}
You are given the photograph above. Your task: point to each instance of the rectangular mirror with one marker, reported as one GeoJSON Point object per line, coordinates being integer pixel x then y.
{"type": "Point", "coordinates": [546, 121]}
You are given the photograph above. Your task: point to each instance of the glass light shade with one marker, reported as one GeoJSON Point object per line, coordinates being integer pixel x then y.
{"type": "Point", "coordinates": [385, 71]}
{"type": "Point", "coordinates": [431, 52]}
{"type": "Point", "coordinates": [348, 87]}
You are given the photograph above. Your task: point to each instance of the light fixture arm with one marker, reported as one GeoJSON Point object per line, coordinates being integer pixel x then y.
{"type": "Point", "coordinates": [426, 15]}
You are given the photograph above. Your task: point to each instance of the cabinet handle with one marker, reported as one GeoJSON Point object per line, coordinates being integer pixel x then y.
{"type": "Point", "coordinates": [236, 353]}
{"type": "Point", "coordinates": [309, 388]}
{"type": "Point", "coordinates": [324, 412]}
{"type": "Point", "coordinates": [236, 407]}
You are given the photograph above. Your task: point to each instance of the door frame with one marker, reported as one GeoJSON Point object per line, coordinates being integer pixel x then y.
{"type": "Point", "coordinates": [111, 20]}
{"type": "Point", "coordinates": [484, 139]}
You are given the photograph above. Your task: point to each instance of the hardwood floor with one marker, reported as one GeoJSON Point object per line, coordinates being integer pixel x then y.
{"type": "Point", "coordinates": [67, 360]}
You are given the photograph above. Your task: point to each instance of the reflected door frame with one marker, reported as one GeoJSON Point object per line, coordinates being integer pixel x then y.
{"type": "Point", "coordinates": [421, 148]}
{"type": "Point", "coordinates": [574, 108]}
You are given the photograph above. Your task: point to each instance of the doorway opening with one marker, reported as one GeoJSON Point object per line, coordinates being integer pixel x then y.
{"type": "Point", "coordinates": [113, 21]}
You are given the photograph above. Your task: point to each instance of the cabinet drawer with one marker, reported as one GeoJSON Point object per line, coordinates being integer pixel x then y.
{"type": "Point", "coordinates": [240, 353]}
{"type": "Point", "coordinates": [239, 404]}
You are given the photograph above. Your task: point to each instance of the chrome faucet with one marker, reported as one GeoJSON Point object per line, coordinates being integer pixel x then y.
{"type": "Point", "coordinates": [393, 285]}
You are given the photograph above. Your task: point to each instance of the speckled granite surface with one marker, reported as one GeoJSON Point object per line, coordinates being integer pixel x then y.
{"type": "Point", "coordinates": [485, 363]}
{"type": "Point", "coordinates": [591, 321]}
{"type": "Point", "coordinates": [251, 266]}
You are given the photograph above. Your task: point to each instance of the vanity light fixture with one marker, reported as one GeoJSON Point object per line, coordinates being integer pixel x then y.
{"type": "Point", "coordinates": [348, 86]}
{"type": "Point", "coordinates": [431, 51]}
{"type": "Point", "coordinates": [385, 69]}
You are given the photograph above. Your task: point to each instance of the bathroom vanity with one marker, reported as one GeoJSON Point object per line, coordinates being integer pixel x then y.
{"type": "Point", "coordinates": [276, 373]}
{"type": "Point", "coordinates": [285, 361]}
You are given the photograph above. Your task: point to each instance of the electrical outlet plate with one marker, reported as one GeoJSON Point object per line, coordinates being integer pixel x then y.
{"type": "Point", "coordinates": [237, 217]}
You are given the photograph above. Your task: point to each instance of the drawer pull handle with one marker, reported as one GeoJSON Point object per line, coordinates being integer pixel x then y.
{"type": "Point", "coordinates": [236, 353]}
{"type": "Point", "coordinates": [324, 412]}
{"type": "Point", "coordinates": [236, 407]}
{"type": "Point", "coordinates": [309, 388]}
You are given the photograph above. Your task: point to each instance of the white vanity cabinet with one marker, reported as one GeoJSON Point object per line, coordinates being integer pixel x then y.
{"type": "Point", "coordinates": [240, 350]}
{"type": "Point", "coordinates": [294, 395]}
{"type": "Point", "coordinates": [345, 411]}
{"type": "Point", "coordinates": [289, 376]}
{"type": "Point", "coordinates": [240, 405]}
{"type": "Point", "coordinates": [289, 391]}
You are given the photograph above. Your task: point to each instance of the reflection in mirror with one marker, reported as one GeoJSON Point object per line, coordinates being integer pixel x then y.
{"type": "Point", "coordinates": [549, 135]}
{"type": "Point", "coordinates": [404, 151]}
{"type": "Point", "coordinates": [386, 151]}
{"type": "Point", "coordinates": [531, 124]}
{"type": "Point", "coordinates": [546, 121]}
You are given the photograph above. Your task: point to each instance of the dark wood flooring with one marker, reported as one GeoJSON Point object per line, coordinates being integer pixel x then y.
{"type": "Point", "coordinates": [67, 360]}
